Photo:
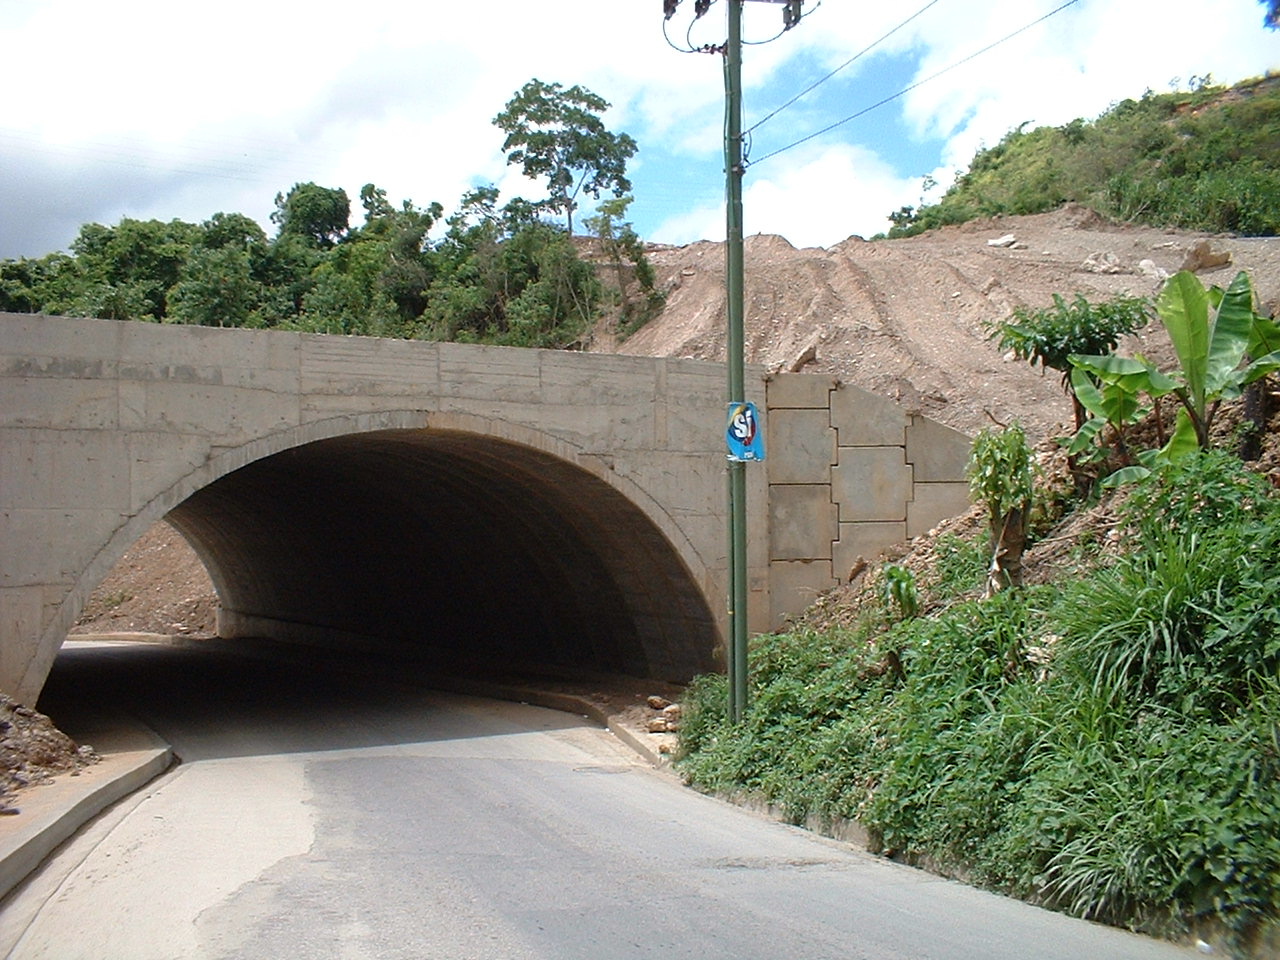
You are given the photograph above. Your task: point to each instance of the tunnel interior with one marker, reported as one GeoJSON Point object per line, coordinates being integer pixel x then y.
{"type": "Point", "coordinates": [465, 550]}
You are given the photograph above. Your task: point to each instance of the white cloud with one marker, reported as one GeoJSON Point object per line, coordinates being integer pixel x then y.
{"type": "Point", "coordinates": [144, 108]}
{"type": "Point", "coordinates": [821, 196]}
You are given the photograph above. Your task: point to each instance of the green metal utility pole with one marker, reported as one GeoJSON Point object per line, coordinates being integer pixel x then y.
{"type": "Point", "coordinates": [735, 348]}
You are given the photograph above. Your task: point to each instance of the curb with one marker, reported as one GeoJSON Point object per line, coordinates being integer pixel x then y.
{"type": "Point", "coordinates": [53, 812]}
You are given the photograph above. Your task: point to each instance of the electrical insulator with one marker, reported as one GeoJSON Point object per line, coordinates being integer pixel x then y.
{"type": "Point", "coordinates": [700, 7]}
{"type": "Point", "coordinates": [669, 8]}
{"type": "Point", "coordinates": [791, 14]}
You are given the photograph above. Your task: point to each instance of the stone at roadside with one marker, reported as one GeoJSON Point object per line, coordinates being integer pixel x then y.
{"type": "Point", "coordinates": [1202, 257]}
{"type": "Point", "coordinates": [1104, 262]}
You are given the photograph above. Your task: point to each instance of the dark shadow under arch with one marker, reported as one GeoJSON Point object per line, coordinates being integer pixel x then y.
{"type": "Point", "coordinates": [465, 549]}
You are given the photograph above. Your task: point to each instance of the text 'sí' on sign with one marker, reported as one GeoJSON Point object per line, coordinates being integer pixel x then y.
{"type": "Point", "coordinates": [745, 439]}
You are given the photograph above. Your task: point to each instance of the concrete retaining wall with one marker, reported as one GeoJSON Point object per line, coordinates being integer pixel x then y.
{"type": "Point", "coordinates": [854, 474]}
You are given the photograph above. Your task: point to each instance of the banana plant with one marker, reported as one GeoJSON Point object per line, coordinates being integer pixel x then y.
{"type": "Point", "coordinates": [1214, 335]}
{"type": "Point", "coordinates": [1212, 332]}
{"type": "Point", "coordinates": [1110, 390]}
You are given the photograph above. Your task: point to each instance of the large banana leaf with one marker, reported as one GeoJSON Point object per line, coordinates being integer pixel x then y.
{"type": "Point", "coordinates": [1183, 306]}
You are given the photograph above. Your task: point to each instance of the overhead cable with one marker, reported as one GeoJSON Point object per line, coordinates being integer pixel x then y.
{"type": "Point", "coordinates": [918, 83]}
{"type": "Point", "coordinates": [857, 56]}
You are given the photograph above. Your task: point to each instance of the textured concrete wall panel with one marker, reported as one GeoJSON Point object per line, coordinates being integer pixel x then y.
{"type": "Point", "coordinates": [802, 522]}
{"type": "Point", "coordinates": [934, 503]}
{"type": "Point", "coordinates": [789, 390]}
{"type": "Point", "coordinates": [866, 420]}
{"type": "Point", "coordinates": [800, 445]}
{"type": "Point", "coordinates": [26, 559]}
{"type": "Point", "coordinates": [62, 340]}
{"type": "Point", "coordinates": [59, 403]}
{"type": "Point", "coordinates": [490, 373]}
{"type": "Point", "coordinates": [22, 614]}
{"type": "Point", "coordinates": [229, 416]}
{"type": "Point", "coordinates": [937, 453]}
{"type": "Point", "coordinates": [368, 367]}
{"type": "Point", "coordinates": [871, 483]}
{"type": "Point", "coordinates": [795, 584]}
{"type": "Point", "coordinates": [863, 541]}
{"type": "Point", "coordinates": [71, 469]}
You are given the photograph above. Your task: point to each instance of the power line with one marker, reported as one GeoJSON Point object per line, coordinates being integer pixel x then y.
{"type": "Point", "coordinates": [918, 83]}
{"type": "Point", "coordinates": [857, 56]}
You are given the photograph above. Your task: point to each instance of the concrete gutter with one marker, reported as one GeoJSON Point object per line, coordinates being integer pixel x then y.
{"type": "Point", "coordinates": [51, 813]}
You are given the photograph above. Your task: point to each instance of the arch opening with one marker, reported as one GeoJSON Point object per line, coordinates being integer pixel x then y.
{"type": "Point", "coordinates": [470, 551]}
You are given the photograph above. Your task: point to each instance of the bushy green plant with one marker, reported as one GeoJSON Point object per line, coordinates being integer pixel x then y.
{"type": "Point", "coordinates": [1222, 346]}
{"type": "Point", "coordinates": [1049, 337]}
{"type": "Point", "coordinates": [899, 590]}
{"type": "Point", "coordinates": [1002, 478]}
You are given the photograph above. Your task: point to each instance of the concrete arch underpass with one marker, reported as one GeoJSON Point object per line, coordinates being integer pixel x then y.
{"type": "Point", "coordinates": [465, 549]}
{"type": "Point", "coordinates": [483, 506]}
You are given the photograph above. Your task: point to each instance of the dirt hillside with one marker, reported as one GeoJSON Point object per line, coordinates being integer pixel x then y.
{"type": "Point", "coordinates": [903, 318]}
{"type": "Point", "coordinates": [907, 318]}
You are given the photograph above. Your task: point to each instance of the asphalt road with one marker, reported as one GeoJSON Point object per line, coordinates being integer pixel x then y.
{"type": "Point", "coordinates": [317, 816]}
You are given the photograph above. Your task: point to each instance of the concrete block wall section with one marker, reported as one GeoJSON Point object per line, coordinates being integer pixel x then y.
{"type": "Point", "coordinates": [853, 471]}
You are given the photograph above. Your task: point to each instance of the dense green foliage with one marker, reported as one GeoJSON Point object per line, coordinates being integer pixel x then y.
{"type": "Point", "coordinates": [1110, 747]}
{"type": "Point", "coordinates": [1002, 472]}
{"type": "Point", "coordinates": [496, 275]}
{"type": "Point", "coordinates": [622, 248]}
{"type": "Point", "coordinates": [1049, 336]}
{"type": "Point", "coordinates": [1200, 160]}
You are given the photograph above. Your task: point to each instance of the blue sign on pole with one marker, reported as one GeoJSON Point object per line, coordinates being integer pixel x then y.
{"type": "Point", "coordinates": [746, 441]}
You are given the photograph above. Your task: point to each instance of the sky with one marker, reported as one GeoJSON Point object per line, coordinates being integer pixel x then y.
{"type": "Point", "coordinates": [150, 109]}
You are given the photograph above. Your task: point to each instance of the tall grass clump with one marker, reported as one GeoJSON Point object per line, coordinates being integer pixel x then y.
{"type": "Point", "coordinates": [1108, 746]}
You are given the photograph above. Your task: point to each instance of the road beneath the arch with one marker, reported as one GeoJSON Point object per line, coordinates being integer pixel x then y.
{"type": "Point", "coordinates": [325, 815]}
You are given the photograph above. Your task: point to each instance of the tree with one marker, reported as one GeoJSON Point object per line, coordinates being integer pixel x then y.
{"type": "Point", "coordinates": [1272, 19]}
{"type": "Point", "coordinates": [1050, 336]}
{"type": "Point", "coordinates": [317, 214]}
{"type": "Point", "coordinates": [217, 289]}
{"type": "Point", "coordinates": [620, 244]}
{"type": "Point", "coordinates": [394, 252]}
{"type": "Point", "coordinates": [232, 229]}
{"type": "Point", "coordinates": [508, 278]}
{"type": "Point", "coordinates": [557, 134]}
{"type": "Point", "coordinates": [127, 270]}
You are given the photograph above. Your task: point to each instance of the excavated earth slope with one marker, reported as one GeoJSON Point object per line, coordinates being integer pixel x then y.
{"type": "Point", "coordinates": [908, 319]}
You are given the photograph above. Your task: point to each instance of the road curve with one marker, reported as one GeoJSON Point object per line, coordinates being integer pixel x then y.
{"type": "Point", "coordinates": [324, 816]}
